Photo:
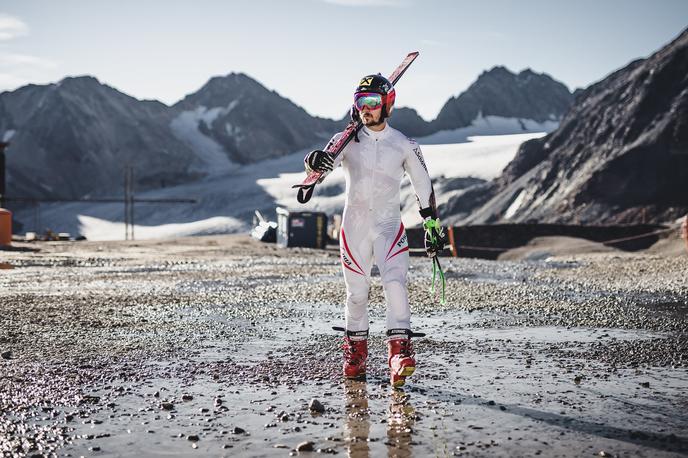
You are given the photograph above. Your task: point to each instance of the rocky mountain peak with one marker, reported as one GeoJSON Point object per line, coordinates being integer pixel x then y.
{"type": "Point", "coordinates": [501, 92]}
{"type": "Point", "coordinates": [620, 155]}
{"type": "Point", "coordinates": [222, 90]}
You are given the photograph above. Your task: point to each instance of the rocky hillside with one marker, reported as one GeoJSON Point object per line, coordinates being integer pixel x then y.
{"type": "Point", "coordinates": [499, 92]}
{"type": "Point", "coordinates": [620, 155]}
{"type": "Point", "coordinates": [247, 121]}
{"type": "Point", "coordinates": [74, 138]}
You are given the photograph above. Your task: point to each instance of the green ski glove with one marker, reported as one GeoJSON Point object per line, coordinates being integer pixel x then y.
{"type": "Point", "coordinates": [435, 237]}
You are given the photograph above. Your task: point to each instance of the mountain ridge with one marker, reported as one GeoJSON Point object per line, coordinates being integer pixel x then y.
{"type": "Point", "coordinates": [620, 155]}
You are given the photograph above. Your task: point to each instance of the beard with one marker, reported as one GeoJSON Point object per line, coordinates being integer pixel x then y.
{"type": "Point", "coordinates": [370, 121]}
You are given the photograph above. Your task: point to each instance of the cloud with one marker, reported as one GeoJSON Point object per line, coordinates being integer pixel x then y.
{"type": "Point", "coordinates": [370, 2]}
{"type": "Point", "coordinates": [24, 60]}
{"type": "Point", "coordinates": [21, 69]}
{"type": "Point", "coordinates": [12, 27]}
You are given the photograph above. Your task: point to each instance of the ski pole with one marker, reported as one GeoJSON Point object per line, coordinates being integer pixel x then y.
{"type": "Point", "coordinates": [435, 268]}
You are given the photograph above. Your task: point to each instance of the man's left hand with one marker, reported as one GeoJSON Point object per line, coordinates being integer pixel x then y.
{"type": "Point", "coordinates": [435, 236]}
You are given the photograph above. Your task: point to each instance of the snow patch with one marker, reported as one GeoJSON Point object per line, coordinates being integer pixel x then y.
{"type": "Point", "coordinates": [233, 131]}
{"type": "Point", "coordinates": [8, 135]}
{"type": "Point", "coordinates": [515, 205]}
{"type": "Point", "coordinates": [212, 156]}
{"type": "Point", "coordinates": [226, 202]}
{"type": "Point", "coordinates": [100, 229]}
{"type": "Point", "coordinates": [481, 156]}
{"type": "Point", "coordinates": [489, 125]}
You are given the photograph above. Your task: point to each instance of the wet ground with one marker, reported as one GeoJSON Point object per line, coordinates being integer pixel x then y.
{"type": "Point", "coordinates": [216, 346]}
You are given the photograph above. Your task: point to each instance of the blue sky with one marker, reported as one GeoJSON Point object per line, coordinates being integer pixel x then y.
{"type": "Point", "coordinates": [314, 51]}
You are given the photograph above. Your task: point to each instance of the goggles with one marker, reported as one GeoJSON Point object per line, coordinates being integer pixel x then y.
{"type": "Point", "coordinates": [368, 99]}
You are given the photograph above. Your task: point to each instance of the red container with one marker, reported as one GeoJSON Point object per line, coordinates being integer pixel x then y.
{"type": "Point", "coordinates": [5, 227]}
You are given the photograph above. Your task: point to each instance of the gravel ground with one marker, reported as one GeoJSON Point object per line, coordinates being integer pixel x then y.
{"type": "Point", "coordinates": [218, 346]}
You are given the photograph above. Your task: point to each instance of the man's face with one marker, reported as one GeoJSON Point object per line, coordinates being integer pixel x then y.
{"type": "Point", "coordinates": [369, 105]}
{"type": "Point", "coordinates": [370, 117]}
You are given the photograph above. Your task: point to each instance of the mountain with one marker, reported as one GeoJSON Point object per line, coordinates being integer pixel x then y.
{"type": "Point", "coordinates": [499, 92]}
{"type": "Point", "coordinates": [498, 102]}
{"type": "Point", "coordinates": [246, 121]}
{"type": "Point", "coordinates": [408, 121]}
{"type": "Point", "coordinates": [73, 138]}
{"type": "Point", "coordinates": [620, 155]}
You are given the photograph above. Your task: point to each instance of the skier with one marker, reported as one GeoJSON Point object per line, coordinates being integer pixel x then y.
{"type": "Point", "coordinates": [372, 231]}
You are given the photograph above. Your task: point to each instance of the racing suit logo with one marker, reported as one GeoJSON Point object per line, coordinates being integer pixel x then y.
{"type": "Point", "coordinates": [420, 158]}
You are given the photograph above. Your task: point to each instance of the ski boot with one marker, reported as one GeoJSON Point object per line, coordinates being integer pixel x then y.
{"type": "Point", "coordinates": [401, 356]}
{"type": "Point", "coordinates": [355, 353]}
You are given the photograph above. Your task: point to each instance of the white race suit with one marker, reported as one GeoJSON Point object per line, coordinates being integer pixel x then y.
{"type": "Point", "coordinates": [371, 226]}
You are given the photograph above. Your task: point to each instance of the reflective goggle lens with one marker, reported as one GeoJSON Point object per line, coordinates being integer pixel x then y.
{"type": "Point", "coordinates": [371, 100]}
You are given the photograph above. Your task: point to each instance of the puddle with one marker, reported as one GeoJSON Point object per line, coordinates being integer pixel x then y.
{"type": "Point", "coordinates": [477, 404]}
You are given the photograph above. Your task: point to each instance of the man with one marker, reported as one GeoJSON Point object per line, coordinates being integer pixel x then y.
{"type": "Point", "coordinates": [372, 231]}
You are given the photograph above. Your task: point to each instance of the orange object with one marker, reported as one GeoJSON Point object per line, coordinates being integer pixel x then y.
{"type": "Point", "coordinates": [452, 242]}
{"type": "Point", "coordinates": [5, 227]}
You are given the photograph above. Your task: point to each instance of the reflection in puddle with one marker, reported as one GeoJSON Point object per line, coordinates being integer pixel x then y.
{"type": "Point", "coordinates": [357, 427]}
{"type": "Point", "coordinates": [400, 419]}
{"type": "Point", "coordinates": [400, 425]}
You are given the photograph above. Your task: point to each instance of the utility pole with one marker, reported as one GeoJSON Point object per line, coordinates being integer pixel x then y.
{"type": "Point", "coordinates": [131, 199]}
{"type": "Point", "coordinates": [128, 202]}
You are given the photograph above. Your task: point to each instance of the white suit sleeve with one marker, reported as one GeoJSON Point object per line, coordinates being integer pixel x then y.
{"type": "Point", "coordinates": [418, 173]}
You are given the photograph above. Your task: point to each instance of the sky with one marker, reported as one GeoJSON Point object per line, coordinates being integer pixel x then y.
{"type": "Point", "coordinates": [315, 51]}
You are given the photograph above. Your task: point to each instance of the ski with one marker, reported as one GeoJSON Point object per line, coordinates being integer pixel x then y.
{"type": "Point", "coordinates": [306, 187]}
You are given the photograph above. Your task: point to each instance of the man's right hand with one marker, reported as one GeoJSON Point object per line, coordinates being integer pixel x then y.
{"type": "Point", "coordinates": [319, 161]}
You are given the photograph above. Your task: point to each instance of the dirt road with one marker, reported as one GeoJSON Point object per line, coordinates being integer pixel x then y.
{"type": "Point", "coordinates": [216, 346]}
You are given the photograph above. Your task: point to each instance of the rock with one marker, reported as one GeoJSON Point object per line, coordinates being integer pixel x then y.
{"type": "Point", "coordinates": [306, 446]}
{"type": "Point", "coordinates": [645, 384]}
{"type": "Point", "coordinates": [166, 405]}
{"type": "Point", "coordinates": [218, 402]}
{"type": "Point", "coordinates": [238, 430]}
{"type": "Point", "coordinates": [603, 453]}
{"type": "Point", "coordinates": [187, 397]}
{"type": "Point", "coordinates": [193, 437]}
{"type": "Point", "coordinates": [316, 406]}
{"type": "Point", "coordinates": [6, 355]}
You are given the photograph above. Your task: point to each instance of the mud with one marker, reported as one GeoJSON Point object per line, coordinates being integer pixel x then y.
{"type": "Point", "coordinates": [216, 346]}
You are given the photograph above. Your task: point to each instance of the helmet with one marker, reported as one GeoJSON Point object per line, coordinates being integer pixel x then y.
{"type": "Point", "coordinates": [379, 85]}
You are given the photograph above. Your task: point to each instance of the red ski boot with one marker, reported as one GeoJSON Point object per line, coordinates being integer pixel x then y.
{"type": "Point", "coordinates": [355, 353]}
{"type": "Point", "coordinates": [401, 356]}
